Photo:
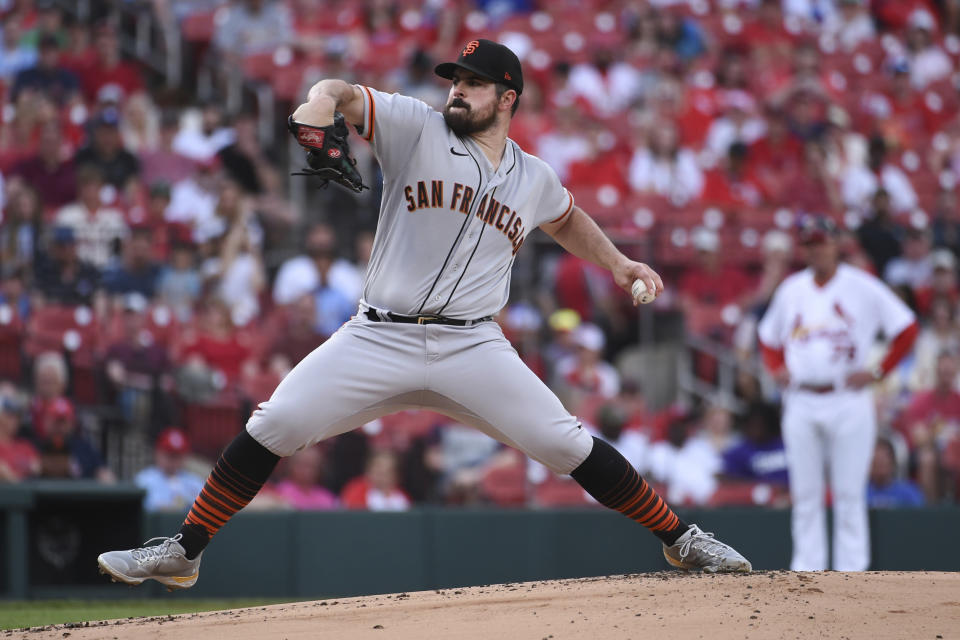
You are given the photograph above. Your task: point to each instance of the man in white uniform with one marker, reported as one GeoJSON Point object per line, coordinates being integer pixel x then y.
{"type": "Point", "coordinates": [459, 199]}
{"type": "Point", "coordinates": [815, 338]}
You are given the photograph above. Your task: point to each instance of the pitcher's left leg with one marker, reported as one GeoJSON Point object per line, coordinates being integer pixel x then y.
{"type": "Point", "coordinates": [486, 385]}
{"type": "Point", "coordinates": [850, 449]}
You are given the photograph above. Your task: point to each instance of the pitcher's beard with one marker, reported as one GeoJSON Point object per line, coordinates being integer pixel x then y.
{"type": "Point", "coordinates": [462, 124]}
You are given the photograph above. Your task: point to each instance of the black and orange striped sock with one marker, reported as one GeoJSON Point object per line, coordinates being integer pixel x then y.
{"type": "Point", "coordinates": [608, 477]}
{"type": "Point", "coordinates": [241, 471]}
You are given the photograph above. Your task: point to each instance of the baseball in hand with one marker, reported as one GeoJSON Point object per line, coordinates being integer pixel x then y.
{"type": "Point", "coordinates": [640, 293]}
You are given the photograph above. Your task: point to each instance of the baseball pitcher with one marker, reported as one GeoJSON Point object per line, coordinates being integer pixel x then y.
{"type": "Point", "coordinates": [815, 337]}
{"type": "Point", "coordinates": [459, 199]}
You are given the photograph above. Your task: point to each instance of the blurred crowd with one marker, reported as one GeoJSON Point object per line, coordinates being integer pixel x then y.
{"type": "Point", "coordinates": [155, 272]}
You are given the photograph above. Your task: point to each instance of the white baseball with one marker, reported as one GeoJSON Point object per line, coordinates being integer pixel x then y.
{"type": "Point", "coordinates": [640, 293]}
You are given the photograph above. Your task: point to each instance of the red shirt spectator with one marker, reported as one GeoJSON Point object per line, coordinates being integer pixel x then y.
{"type": "Point", "coordinates": [933, 417]}
{"type": "Point", "coordinates": [217, 345]}
{"type": "Point", "coordinates": [378, 489]}
{"type": "Point", "coordinates": [18, 458]}
{"type": "Point", "coordinates": [108, 69]}
{"type": "Point", "coordinates": [51, 171]}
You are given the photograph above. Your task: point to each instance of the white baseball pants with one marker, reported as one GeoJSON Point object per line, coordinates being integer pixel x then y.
{"type": "Point", "coordinates": [829, 435]}
{"type": "Point", "coordinates": [368, 369]}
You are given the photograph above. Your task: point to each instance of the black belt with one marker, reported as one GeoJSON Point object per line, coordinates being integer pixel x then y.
{"type": "Point", "coordinates": [378, 315]}
{"type": "Point", "coordinates": [817, 388]}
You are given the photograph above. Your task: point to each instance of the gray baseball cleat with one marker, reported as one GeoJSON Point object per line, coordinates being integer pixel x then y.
{"type": "Point", "coordinates": [696, 549]}
{"type": "Point", "coordinates": [166, 563]}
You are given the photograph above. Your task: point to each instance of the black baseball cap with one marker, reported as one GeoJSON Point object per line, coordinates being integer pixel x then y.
{"type": "Point", "coordinates": [488, 59]}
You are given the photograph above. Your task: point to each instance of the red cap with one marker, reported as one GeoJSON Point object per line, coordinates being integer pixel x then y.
{"type": "Point", "coordinates": [61, 408]}
{"type": "Point", "coordinates": [173, 440]}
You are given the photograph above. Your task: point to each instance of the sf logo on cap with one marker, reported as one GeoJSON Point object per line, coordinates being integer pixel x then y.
{"type": "Point", "coordinates": [471, 47]}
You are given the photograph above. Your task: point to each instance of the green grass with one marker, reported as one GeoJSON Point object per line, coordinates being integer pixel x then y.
{"type": "Point", "coordinates": [15, 614]}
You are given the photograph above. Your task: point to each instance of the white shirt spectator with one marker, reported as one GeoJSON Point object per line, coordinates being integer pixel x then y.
{"type": "Point", "coordinates": [850, 30]}
{"type": "Point", "coordinates": [859, 184]}
{"type": "Point", "coordinates": [298, 276]}
{"type": "Point", "coordinates": [193, 143]}
{"type": "Point", "coordinates": [95, 231]}
{"type": "Point", "coordinates": [235, 287]}
{"type": "Point", "coordinates": [608, 94]}
{"type": "Point", "coordinates": [915, 274]}
{"type": "Point", "coordinates": [688, 471]}
{"type": "Point", "coordinates": [928, 66]}
{"type": "Point", "coordinates": [191, 204]}
{"type": "Point", "coordinates": [245, 32]}
{"type": "Point", "coordinates": [560, 150]}
{"type": "Point", "coordinates": [725, 131]}
{"type": "Point", "coordinates": [680, 179]}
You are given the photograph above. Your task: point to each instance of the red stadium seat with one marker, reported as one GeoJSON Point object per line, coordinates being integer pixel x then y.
{"type": "Point", "coordinates": [11, 344]}
{"type": "Point", "coordinates": [212, 425]}
{"type": "Point", "coordinates": [560, 491]}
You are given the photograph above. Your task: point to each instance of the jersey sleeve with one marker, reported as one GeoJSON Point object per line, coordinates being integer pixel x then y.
{"type": "Point", "coordinates": [393, 124]}
{"type": "Point", "coordinates": [555, 202]}
{"type": "Point", "coordinates": [770, 331]}
{"type": "Point", "coordinates": [893, 313]}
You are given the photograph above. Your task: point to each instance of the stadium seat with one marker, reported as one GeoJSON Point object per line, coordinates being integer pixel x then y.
{"type": "Point", "coordinates": [506, 486]}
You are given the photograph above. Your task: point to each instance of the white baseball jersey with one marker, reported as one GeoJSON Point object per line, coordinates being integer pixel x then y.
{"type": "Point", "coordinates": [826, 332]}
{"type": "Point", "coordinates": [450, 225]}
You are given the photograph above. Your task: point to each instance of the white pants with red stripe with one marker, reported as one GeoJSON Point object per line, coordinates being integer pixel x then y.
{"type": "Point", "coordinates": [829, 437]}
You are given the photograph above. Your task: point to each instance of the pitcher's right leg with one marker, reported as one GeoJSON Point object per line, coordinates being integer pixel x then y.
{"type": "Point", "coordinates": [363, 371]}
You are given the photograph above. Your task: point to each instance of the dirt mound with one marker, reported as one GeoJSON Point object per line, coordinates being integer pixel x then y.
{"type": "Point", "coordinates": [778, 604]}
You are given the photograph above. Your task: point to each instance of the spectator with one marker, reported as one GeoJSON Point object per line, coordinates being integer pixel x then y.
{"type": "Point", "coordinates": [105, 151]}
{"type": "Point", "coordinates": [19, 234]}
{"type": "Point", "coordinates": [51, 172]}
{"type": "Point", "coordinates": [378, 489]}
{"type": "Point", "coordinates": [708, 286]}
{"type": "Point", "coordinates": [333, 307]}
{"type": "Point", "coordinates": [163, 163]}
{"type": "Point", "coordinates": [585, 373]}
{"type": "Point", "coordinates": [234, 268]}
{"type": "Point", "coordinates": [193, 201]}
{"type": "Point", "coordinates": [301, 487]}
{"type": "Point", "coordinates": [253, 26]}
{"type": "Point", "coordinates": [217, 348]}
{"type": "Point", "coordinates": [607, 85]}
{"type": "Point", "coordinates": [733, 184]}
{"type": "Point", "coordinates": [928, 62]}
{"type": "Point", "coordinates": [933, 417]}
{"type": "Point", "coordinates": [739, 123]}
{"type": "Point", "coordinates": [885, 490]}
{"type": "Point", "coordinates": [14, 291]}
{"type": "Point", "coordinates": [860, 183]}
{"type": "Point", "coordinates": [878, 235]}
{"type": "Point", "coordinates": [663, 168]}
{"type": "Point", "coordinates": [47, 77]}
{"type": "Point", "coordinates": [914, 268]}
{"type": "Point", "coordinates": [50, 378]}
{"type": "Point", "coordinates": [18, 457]}
{"type": "Point", "coordinates": [134, 361]}
{"type": "Point", "coordinates": [15, 54]}
{"type": "Point", "coordinates": [760, 456]}
{"type": "Point", "coordinates": [203, 140]}
{"type": "Point", "coordinates": [180, 284]}
{"type": "Point", "coordinates": [97, 227]}
{"type": "Point", "coordinates": [300, 274]}
{"type": "Point", "coordinates": [108, 69]}
{"type": "Point", "coordinates": [940, 334]}
{"type": "Point", "coordinates": [65, 452]}
{"type": "Point", "coordinates": [169, 485]}
{"type": "Point", "coordinates": [298, 335]}
{"type": "Point", "coordinates": [61, 276]}
{"type": "Point", "coordinates": [566, 143]}
{"type": "Point", "coordinates": [851, 24]}
{"type": "Point", "coordinates": [632, 443]}
{"type": "Point", "coordinates": [687, 467]}
{"type": "Point", "coordinates": [139, 124]}
{"type": "Point", "coordinates": [136, 272]}
{"type": "Point", "coordinates": [943, 281]}
{"type": "Point", "coordinates": [416, 80]}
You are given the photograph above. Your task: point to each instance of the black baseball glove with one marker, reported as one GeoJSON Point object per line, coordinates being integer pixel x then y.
{"type": "Point", "coordinates": [328, 153]}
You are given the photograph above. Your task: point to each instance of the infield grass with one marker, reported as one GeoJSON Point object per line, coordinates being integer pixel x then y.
{"type": "Point", "coordinates": [16, 614]}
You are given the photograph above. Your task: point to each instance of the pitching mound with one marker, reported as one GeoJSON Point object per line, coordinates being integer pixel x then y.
{"type": "Point", "coordinates": [660, 605]}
